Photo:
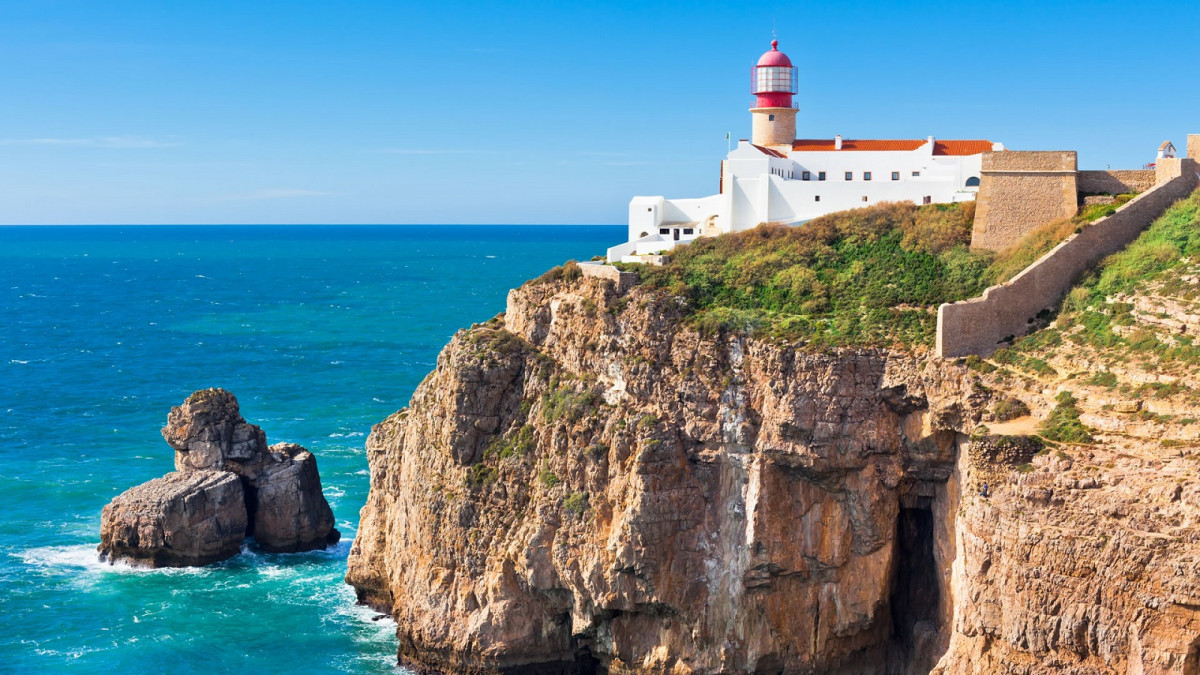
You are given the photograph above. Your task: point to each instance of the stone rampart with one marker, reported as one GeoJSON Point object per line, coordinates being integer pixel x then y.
{"type": "Point", "coordinates": [1115, 182]}
{"type": "Point", "coordinates": [978, 326]}
{"type": "Point", "coordinates": [1193, 147]}
{"type": "Point", "coordinates": [1019, 191]}
{"type": "Point", "coordinates": [623, 280]}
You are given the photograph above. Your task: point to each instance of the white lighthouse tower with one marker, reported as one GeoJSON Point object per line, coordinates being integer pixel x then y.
{"type": "Point", "coordinates": [773, 83]}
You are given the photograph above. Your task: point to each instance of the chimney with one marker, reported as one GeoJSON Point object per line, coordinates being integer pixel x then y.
{"type": "Point", "coordinates": [837, 142]}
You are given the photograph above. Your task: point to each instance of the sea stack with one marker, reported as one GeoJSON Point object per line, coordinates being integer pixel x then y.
{"type": "Point", "coordinates": [228, 485]}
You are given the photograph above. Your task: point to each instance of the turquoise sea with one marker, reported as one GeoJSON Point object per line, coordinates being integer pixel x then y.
{"type": "Point", "coordinates": [320, 331]}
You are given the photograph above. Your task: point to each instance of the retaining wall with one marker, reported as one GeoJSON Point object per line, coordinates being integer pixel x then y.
{"type": "Point", "coordinates": [1115, 182]}
{"type": "Point", "coordinates": [977, 326]}
{"type": "Point", "coordinates": [1019, 191]}
{"type": "Point", "coordinates": [623, 280]}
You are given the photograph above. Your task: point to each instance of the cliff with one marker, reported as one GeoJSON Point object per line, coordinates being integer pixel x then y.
{"type": "Point", "coordinates": [588, 483]}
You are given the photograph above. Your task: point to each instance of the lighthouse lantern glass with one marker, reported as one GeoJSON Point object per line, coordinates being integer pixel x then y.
{"type": "Point", "coordinates": [775, 78]}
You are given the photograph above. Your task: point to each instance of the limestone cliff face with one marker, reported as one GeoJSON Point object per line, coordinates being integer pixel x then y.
{"type": "Point", "coordinates": [586, 484]}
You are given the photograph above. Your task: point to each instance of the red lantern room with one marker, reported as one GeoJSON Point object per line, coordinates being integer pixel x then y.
{"type": "Point", "coordinates": [773, 79]}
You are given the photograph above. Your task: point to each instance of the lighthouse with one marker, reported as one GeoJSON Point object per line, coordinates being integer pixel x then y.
{"type": "Point", "coordinates": [773, 83]}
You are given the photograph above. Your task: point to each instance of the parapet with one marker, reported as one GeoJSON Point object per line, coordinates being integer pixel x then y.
{"type": "Point", "coordinates": [1036, 161]}
{"type": "Point", "coordinates": [1193, 147]}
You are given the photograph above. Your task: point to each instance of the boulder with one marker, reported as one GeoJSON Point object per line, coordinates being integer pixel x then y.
{"type": "Point", "coordinates": [178, 520]}
{"type": "Point", "coordinates": [291, 513]}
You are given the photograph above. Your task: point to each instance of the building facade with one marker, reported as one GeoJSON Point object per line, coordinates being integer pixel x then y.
{"type": "Point", "coordinates": [776, 178]}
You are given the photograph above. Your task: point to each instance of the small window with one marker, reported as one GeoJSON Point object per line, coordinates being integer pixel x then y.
{"type": "Point", "coordinates": [770, 118]}
{"type": "Point", "coordinates": [864, 198]}
{"type": "Point", "coordinates": [866, 175]}
{"type": "Point", "coordinates": [650, 209]}
{"type": "Point", "coordinates": [821, 175]}
{"type": "Point", "coordinates": [664, 230]}
{"type": "Point", "coordinates": [895, 175]}
{"type": "Point", "coordinates": [687, 230]}
{"type": "Point", "coordinates": [849, 175]}
{"type": "Point", "coordinates": [928, 200]}
{"type": "Point", "coordinates": [973, 181]}
{"type": "Point", "coordinates": [817, 199]}
{"type": "Point", "coordinates": [805, 175]}
{"type": "Point", "coordinates": [916, 174]}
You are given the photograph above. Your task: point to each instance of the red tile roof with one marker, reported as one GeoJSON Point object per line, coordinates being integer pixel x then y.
{"type": "Point", "coordinates": [961, 147]}
{"type": "Point", "coordinates": [939, 147]}
{"type": "Point", "coordinates": [769, 151]}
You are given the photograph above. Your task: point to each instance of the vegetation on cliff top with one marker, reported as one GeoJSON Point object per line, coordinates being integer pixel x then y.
{"type": "Point", "coordinates": [871, 276]}
{"type": "Point", "coordinates": [1099, 311]}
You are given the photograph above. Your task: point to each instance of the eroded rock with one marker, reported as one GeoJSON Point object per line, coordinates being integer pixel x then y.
{"type": "Point", "coordinates": [179, 520]}
{"type": "Point", "coordinates": [291, 513]}
{"type": "Point", "coordinates": [279, 499]}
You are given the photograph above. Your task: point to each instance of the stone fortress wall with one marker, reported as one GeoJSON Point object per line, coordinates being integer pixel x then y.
{"type": "Point", "coordinates": [1021, 190]}
{"type": "Point", "coordinates": [1115, 182]}
{"type": "Point", "coordinates": [978, 326]}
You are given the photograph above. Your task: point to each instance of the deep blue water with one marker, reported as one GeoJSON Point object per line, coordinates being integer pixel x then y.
{"type": "Point", "coordinates": [320, 331]}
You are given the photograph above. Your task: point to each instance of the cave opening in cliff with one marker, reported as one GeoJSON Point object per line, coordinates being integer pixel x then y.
{"type": "Point", "coordinates": [251, 497]}
{"type": "Point", "coordinates": [1191, 661]}
{"type": "Point", "coordinates": [916, 591]}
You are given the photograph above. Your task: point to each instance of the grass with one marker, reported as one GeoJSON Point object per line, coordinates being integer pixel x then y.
{"type": "Point", "coordinates": [868, 276]}
{"type": "Point", "coordinates": [1090, 316]}
{"type": "Point", "coordinates": [1093, 212]}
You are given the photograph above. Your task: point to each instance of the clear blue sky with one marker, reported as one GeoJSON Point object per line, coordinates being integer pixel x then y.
{"type": "Point", "coordinates": [453, 112]}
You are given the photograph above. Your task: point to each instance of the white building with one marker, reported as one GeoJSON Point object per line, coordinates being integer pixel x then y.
{"type": "Point", "coordinates": [775, 177]}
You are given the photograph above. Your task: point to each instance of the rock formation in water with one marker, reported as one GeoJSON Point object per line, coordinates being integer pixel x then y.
{"type": "Point", "coordinates": [181, 519]}
{"type": "Point", "coordinates": [228, 484]}
{"type": "Point", "coordinates": [588, 484]}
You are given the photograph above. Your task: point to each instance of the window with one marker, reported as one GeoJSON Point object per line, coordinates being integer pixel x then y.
{"type": "Point", "coordinates": [973, 181]}
{"type": "Point", "coordinates": [650, 209]}
{"type": "Point", "coordinates": [770, 118]}
{"type": "Point", "coordinates": [821, 175]}
{"type": "Point", "coordinates": [864, 198]}
{"type": "Point", "coordinates": [916, 174]}
{"type": "Point", "coordinates": [895, 175]}
{"type": "Point", "coordinates": [818, 198]}
{"type": "Point", "coordinates": [866, 175]}
{"type": "Point", "coordinates": [928, 200]}
{"type": "Point", "coordinates": [805, 175]}
{"type": "Point", "coordinates": [687, 230]}
{"type": "Point", "coordinates": [849, 175]}
{"type": "Point", "coordinates": [664, 230]}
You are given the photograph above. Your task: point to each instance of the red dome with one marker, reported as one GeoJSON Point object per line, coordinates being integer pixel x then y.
{"type": "Point", "coordinates": [775, 57]}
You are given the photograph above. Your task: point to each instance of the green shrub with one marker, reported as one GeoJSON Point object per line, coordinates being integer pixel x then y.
{"type": "Point", "coordinates": [567, 404]}
{"type": "Point", "coordinates": [1103, 379]}
{"type": "Point", "coordinates": [576, 503]}
{"type": "Point", "coordinates": [1063, 423]}
{"type": "Point", "coordinates": [1009, 409]}
{"type": "Point", "coordinates": [548, 479]}
{"type": "Point", "coordinates": [518, 443]}
{"type": "Point", "coordinates": [480, 475]}
{"type": "Point", "coordinates": [866, 276]}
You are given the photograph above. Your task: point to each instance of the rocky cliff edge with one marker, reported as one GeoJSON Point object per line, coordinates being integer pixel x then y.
{"type": "Point", "coordinates": [587, 484]}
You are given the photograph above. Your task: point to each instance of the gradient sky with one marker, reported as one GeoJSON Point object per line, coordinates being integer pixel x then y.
{"type": "Point", "coordinates": [455, 112]}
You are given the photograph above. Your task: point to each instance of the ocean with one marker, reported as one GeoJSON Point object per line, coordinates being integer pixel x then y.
{"type": "Point", "coordinates": [320, 331]}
